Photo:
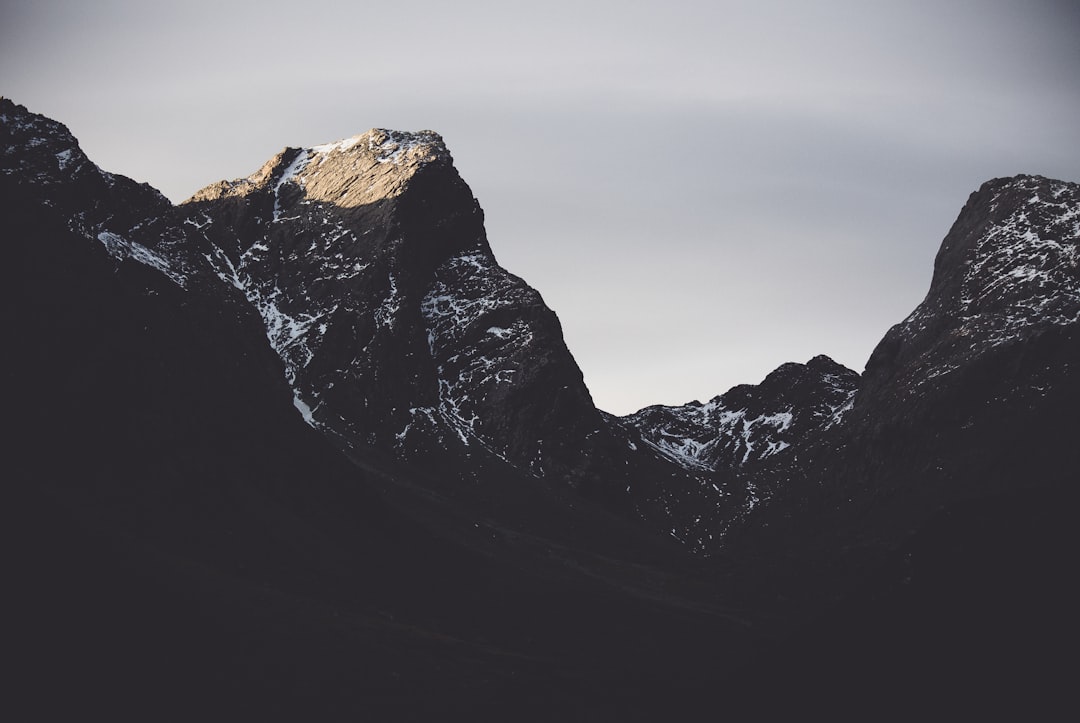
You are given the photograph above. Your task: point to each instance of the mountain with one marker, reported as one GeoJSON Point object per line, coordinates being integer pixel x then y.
{"type": "Point", "coordinates": [368, 262]}
{"type": "Point", "coordinates": [185, 544]}
{"type": "Point", "coordinates": [401, 336]}
{"type": "Point", "coordinates": [300, 447]}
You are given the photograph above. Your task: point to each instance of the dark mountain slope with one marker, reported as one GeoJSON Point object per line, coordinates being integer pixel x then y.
{"type": "Point", "coordinates": [402, 337]}
{"type": "Point", "coordinates": [973, 395]}
{"type": "Point", "coordinates": [940, 515]}
{"type": "Point", "coordinates": [369, 263]}
{"type": "Point", "coordinates": [729, 444]}
{"type": "Point", "coordinates": [968, 398]}
{"type": "Point", "coordinates": [920, 550]}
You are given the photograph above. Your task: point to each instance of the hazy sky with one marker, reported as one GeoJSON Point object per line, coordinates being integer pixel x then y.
{"type": "Point", "coordinates": [701, 190]}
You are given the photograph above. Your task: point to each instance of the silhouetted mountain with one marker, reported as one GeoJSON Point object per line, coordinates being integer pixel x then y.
{"type": "Point", "coordinates": [300, 448]}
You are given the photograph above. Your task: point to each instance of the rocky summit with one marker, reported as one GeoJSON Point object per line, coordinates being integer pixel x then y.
{"type": "Point", "coordinates": [299, 447]}
{"type": "Point", "coordinates": [400, 333]}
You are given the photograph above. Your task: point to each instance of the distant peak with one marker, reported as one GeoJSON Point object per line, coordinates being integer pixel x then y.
{"type": "Point", "coordinates": [827, 365]}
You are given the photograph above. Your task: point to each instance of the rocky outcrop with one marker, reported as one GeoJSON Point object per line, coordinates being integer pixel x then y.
{"type": "Point", "coordinates": [751, 423]}
{"type": "Point", "coordinates": [1008, 271]}
{"type": "Point", "coordinates": [40, 154]}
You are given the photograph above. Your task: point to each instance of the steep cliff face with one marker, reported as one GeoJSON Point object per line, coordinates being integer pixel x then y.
{"type": "Point", "coordinates": [400, 334]}
{"type": "Point", "coordinates": [1007, 273]}
{"type": "Point", "coordinates": [971, 397]}
{"type": "Point", "coordinates": [940, 511]}
{"type": "Point", "coordinates": [977, 383]}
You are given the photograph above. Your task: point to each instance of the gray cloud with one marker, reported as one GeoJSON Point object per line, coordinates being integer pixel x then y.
{"type": "Point", "coordinates": [702, 191]}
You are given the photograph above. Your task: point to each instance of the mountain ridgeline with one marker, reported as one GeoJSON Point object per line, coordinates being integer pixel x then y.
{"type": "Point", "coordinates": [314, 393]}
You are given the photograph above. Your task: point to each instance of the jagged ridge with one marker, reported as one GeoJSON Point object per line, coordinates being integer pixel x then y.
{"type": "Point", "coordinates": [368, 263]}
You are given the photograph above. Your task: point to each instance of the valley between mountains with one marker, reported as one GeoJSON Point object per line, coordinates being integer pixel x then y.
{"type": "Point", "coordinates": [300, 448]}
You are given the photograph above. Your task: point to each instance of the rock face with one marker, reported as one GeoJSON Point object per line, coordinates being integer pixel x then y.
{"type": "Point", "coordinates": [39, 153]}
{"type": "Point", "coordinates": [368, 263]}
{"type": "Point", "coordinates": [1007, 273]}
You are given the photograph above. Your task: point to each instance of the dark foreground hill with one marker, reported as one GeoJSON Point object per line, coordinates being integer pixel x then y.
{"type": "Point", "coordinates": [300, 448]}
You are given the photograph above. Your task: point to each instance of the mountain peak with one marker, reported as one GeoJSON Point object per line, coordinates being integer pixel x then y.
{"type": "Point", "coordinates": [1007, 269]}
{"type": "Point", "coordinates": [37, 149]}
{"type": "Point", "coordinates": [351, 172]}
{"type": "Point", "coordinates": [389, 146]}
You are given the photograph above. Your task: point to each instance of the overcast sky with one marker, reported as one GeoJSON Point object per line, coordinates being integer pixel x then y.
{"type": "Point", "coordinates": [701, 190]}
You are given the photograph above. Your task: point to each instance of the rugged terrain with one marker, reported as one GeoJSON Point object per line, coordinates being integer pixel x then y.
{"type": "Point", "coordinates": [300, 447]}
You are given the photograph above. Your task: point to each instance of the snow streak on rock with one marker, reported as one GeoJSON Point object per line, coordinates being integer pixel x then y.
{"type": "Point", "coordinates": [473, 355]}
{"type": "Point", "coordinates": [718, 430]}
{"type": "Point", "coordinates": [288, 176]}
{"type": "Point", "coordinates": [120, 249]}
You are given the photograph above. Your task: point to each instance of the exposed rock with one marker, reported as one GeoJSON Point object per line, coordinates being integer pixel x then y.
{"type": "Point", "coordinates": [1008, 270]}
{"type": "Point", "coordinates": [750, 423]}
{"type": "Point", "coordinates": [368, 261]}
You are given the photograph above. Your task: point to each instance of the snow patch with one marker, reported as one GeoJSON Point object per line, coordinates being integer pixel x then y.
{"type": "Point", "coordinates": [339, 146]}
{"type": "Point", "coordinates": [63, 159]}
{"type": "Point", "coordinates": [304, 409]}
{"type": "Point", "coordinates": [288, 176]}
{"type": "Point", "coordinates": [121, 248]}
